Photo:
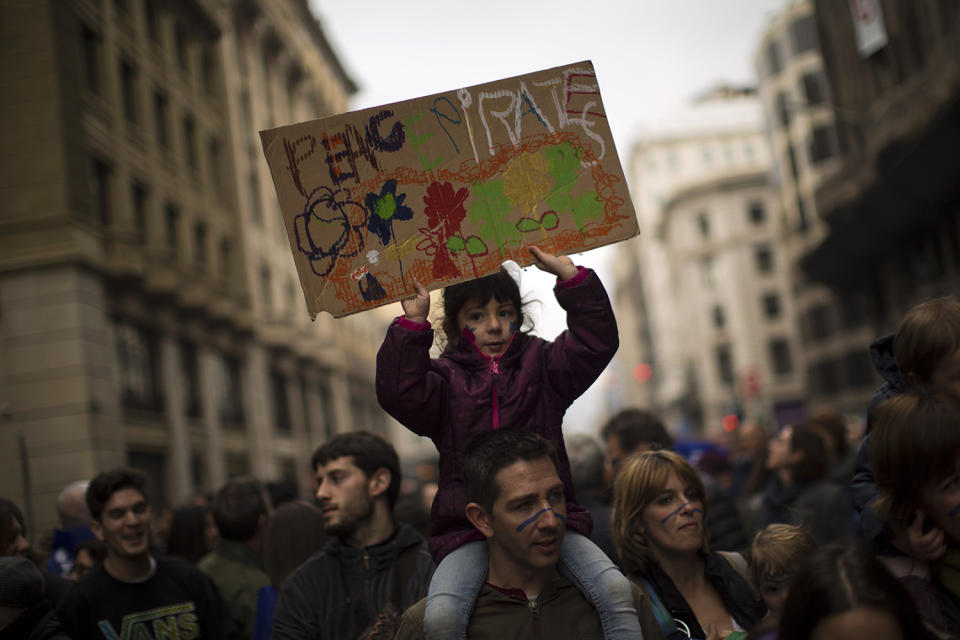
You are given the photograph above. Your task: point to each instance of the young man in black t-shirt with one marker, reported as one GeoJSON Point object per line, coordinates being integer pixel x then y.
{"type": "Point", "coordinates": [134, 594]}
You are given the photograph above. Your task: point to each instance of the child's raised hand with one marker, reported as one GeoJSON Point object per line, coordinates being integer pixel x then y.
{"type": "Point", "coordinates": [917, 543]}
{"type": "Point", "coordinates": [417, 307]}
{"type": "Point", "coordinates": [560, 266]}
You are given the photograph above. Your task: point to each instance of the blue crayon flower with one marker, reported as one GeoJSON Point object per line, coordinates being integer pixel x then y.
{"type": "Point", "coordinates": [384, 209]}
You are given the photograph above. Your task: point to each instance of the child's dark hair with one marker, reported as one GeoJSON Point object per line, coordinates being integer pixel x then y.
{"type": "Point", "coordinates": [499, 285]}
{"type": "Point", "coordinates": [928, 333]}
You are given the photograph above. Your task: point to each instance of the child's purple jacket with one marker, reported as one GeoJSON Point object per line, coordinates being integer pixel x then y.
{"type": "Point", "coordinates": [452, 398]}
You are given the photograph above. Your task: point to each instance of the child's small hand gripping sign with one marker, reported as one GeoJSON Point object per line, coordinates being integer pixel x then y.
{"type": "Point", "coordinates": [417, 308]}
{"type": "Point", "coordinates": [560, 266]}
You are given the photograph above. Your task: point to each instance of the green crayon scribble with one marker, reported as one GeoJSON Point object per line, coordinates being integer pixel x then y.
{"type": "Point", "coordinates": [417, 140]}
{"type": "Point", "coordinates": [563, 163]}
{"type": "Point", "coordinates": [489, 209]}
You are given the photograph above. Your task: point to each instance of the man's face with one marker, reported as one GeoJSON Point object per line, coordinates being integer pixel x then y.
{"type": "Point", "coordinates": [124, 525]}
{"type": "Point", "coordinates": [528, 518]}
{"type": "Point", "coordinates": [617, 454]}
{"type": "Point", "coordinates": [345, 496]}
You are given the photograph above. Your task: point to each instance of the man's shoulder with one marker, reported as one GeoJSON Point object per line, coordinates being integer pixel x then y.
{"type": "Point", "coordinates": [411, 623]}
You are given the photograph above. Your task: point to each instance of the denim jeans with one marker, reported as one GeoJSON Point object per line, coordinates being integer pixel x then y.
{"type": "Point", "coordinates": [457, 582]}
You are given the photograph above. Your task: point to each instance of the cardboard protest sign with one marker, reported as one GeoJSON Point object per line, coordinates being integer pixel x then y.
{"type": "Point", "coordinates": [446, 187]}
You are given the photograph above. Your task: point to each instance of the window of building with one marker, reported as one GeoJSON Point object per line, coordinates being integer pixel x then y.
{"type": "Point", "coordinates": [226, 251]}
{"type": "Point", "coordinates": [238, 464]}
{"type": "Point", "coordinates": [198, 470]}
{"type": "Point", "coordinates": [137, 367]}
{"type": "Point", "coordinates": [774, 60]}
{"type": "Point", "coordinates": [200, 244]}
{"type": "Point", "coordinates": [151, 20]}
{"type": "Point", "coordinates": [747, 150]}
{"type": "Point", "coordinates": [802, 223]}
{"type": "Point", "coordinates": [719, 317]}
{"type": "Point", "coordinates": [213, 153]}
{"type": "Point", "coordinates": [100, 190]}
{"type": "Point", "coordinates": [138, 198]}
{"type": "Point", "coordinates": [171, 223]}
{"type": "Point", "coordinates": [291, 296]}
{"type": "Point", "coordinates": [822, 145]}
{"type": "Point", "coordinates": [813, 88]}
{"type": "Point", "coordinates": [190, 374]}
{"type": "Point", "coordinates": [326, 405]}
{"type": "Point", "coordinates": [287, 467]}
{"type": "Point", "coordinates": [825, 377]}
{"type": "Point", "coordinates": [780, 360]}
{"type": "Point", "coordinates": [90, 46]}
{"type": "Point", "coordinates": [771, 306]}
{"type": "Point", "coordinates": [207, 69]}
{"type": "Point", "coordinates": [265, 286]}
{"type": "Point", "coordinates": [707, 155]}
{"type": "Point", "coordinates": [853, 310]}
{"type": "Point", "coordinates": [160, 115]}
{"type": "Point", "coordinates": [859, 369]}
{"type": "Point", "coordinates": [128, 89]}
{"type": "Point", "coordinates": [703, 223]}
{"type": "Point", "coordinates": [255, 212]}
{"type": "Point", "coordinates": [763, 258]}
{"type": "Point", "coordinates": [228, 389]}
{"type": "Point", "coordinates": [180, 43]}
{"type": "Point", "coordinates": [724, 363]}
{"type": "Point", "coordinates": [820, 321]}
{"type": "Point", "coordinates": [305, 399]}
{"type": "Point", "coordinates": [756, 212]}
{"type": "Point", "coordinates": [190, 141]}
{"type": "Point", "coordinates": [281, 403]}
{"type": "Point", "coordinates": [783, 109]}
{"type": "Point", "coordinates": [792, 160]}
{"type": "Point", "coordinates": [803, 34]}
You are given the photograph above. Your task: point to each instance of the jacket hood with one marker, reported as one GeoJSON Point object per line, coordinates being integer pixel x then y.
{"type": "Point", "coordinates": [379, 555]}
{"type": "Point", "coordinates": [881, 352]}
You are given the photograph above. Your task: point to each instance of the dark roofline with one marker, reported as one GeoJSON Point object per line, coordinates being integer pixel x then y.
{"type": "Point", "coordinates": [316, 30]}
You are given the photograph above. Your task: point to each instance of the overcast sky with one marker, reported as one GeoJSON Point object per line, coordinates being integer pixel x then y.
{"type": "Point", "coordinates": [650, 56]}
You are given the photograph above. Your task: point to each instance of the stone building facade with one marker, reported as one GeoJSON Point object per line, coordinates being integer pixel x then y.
{"type": "Point", "coordinates": [150, 312]}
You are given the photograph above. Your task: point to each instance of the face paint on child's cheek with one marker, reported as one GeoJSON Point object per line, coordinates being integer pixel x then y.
{"type": "Point", "coordinates": [523, 525]}
{"type": "Point", "coordinates": [513, 327]}
{"type": "Point", "coordinates": [677, 510]}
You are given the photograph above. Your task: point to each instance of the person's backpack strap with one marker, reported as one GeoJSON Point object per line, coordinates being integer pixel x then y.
{"type": "Point", "coordinates": [667, 624]}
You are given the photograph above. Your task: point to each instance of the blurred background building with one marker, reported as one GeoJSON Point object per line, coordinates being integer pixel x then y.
{"type": "Point", "coordinates": [703, 295]}
{"type": "Point", "coordinates": [150, 311]}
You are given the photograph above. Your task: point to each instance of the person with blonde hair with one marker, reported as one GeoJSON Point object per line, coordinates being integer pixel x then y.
{"type": "Point", "coordinates": [777, 553]}
{"type": "Point", "coordinates": [658, 527]}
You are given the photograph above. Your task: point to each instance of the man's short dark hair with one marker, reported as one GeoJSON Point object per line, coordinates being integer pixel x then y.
{"type": "Point", "coordinates": [491, 451]}
{"type": "Point", "coordinates": [108, 483]}
{"type": "Point", "coordinates": [369, 451]}
{"type": "Point", "coordinates": [635, 427]}
{"type": "Point", "coordinates": [237, 508]}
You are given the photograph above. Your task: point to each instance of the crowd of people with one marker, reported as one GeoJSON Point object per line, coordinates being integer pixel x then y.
{"type": "Point", "coordinates": [808, 531]}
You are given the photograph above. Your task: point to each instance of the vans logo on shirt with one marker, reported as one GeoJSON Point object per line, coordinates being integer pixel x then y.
{"type": "Point", "coordinates": [173, 622]}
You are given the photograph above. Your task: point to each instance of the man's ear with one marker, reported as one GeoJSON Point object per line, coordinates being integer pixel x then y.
{"type": "Point", "coordinates": [479, 518]}
{"type": "Point", "coordinates": [379, 482]}
{"type": "Point", "coordinates": [97, 529]}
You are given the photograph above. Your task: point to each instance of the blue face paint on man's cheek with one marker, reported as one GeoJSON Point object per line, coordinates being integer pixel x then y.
{"type": "Point", "coordinates": [523, 525]}
{"type": "Point", "coordinates": [677, 510]}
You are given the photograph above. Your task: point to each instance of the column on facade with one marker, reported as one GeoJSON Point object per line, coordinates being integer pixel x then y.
{"type": "Point", "coordinates": [210, 407]}
{"type": "Point", "coordinates": [257, 403]}
{"type": "Point", "coordinates": [298, 425]}
{"type": "Point", "coordinates": [178, 468]}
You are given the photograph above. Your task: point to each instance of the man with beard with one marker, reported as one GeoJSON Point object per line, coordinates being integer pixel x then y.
{"type": "Point", "coordinates": [134, 594]}
{"type": "Point", "coordinates": [372, 568]}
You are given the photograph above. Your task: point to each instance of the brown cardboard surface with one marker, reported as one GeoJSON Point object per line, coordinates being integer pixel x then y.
{"type": "Point", "coordinates": [446, 187]}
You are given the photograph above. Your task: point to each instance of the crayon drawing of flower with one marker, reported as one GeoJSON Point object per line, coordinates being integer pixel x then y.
{"type": "Point", "coordinates": [384, 209]}
{"type": "Point", "coordinates": [445, 213]}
